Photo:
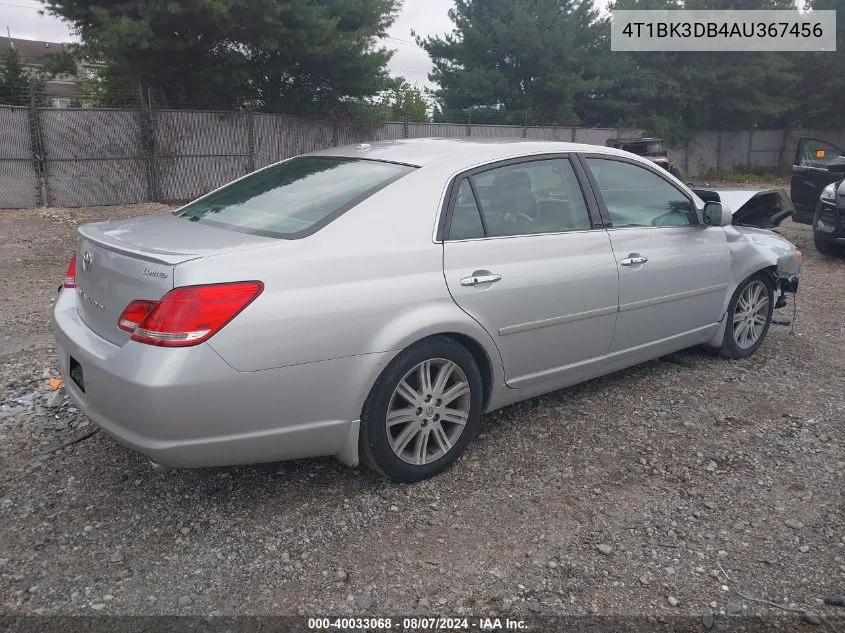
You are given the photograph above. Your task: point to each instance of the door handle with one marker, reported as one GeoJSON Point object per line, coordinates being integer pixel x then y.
{"type": "Point", "coordinates": [633, 261]}
{"type": "Point", "coordinates": [480, 279]}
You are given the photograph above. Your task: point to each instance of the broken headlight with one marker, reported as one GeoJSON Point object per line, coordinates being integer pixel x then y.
{"type": "Point", "coordinates": [829, 192]}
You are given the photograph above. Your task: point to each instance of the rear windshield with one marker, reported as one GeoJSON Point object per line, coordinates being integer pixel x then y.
{"type": "Point", "coordinates": [294, 198]}
{"type": "Point", "coordinates": [645, 148]}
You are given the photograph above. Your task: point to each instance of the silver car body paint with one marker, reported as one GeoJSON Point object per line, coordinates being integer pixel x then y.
{"type": "Point", "coordinates": [288, 377]}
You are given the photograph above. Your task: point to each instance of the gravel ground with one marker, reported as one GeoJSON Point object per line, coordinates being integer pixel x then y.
{"type": "Point", "coordinates": [670, 488]}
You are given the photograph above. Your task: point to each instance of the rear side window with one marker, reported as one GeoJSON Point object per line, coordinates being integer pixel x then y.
{"type": "Point", "coordinates": [295, 198]}
{"type": "Point", "coordinates": [466, 218]}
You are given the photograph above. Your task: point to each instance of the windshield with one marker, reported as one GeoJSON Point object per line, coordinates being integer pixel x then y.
{"type": "Point", "coordinates": [294, 198]}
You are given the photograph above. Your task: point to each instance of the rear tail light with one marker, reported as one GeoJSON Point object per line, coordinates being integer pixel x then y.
{"type": "Point", "coordinates": [188, 315]}
{"type": "Point", "coordinates": [134, 314]}
{"type": "Point", "coordinates": [70, 275]}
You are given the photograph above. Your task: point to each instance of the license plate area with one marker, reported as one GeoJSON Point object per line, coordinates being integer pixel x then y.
{"type": "Point", "coordinates": [75, 371]}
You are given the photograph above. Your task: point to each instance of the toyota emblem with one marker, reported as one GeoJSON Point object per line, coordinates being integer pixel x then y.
{"type": "Point", "coordinates": [86, 261]}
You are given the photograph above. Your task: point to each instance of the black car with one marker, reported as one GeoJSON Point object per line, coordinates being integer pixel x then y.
{"type": "Point", "coordinates": [829, 218]}
{"type": "Point", "coordinates": [651, 148]}
{"type": "Point", "coordinates": [818, 192]}
{"type": "Point", "coordinates": [810, 175]}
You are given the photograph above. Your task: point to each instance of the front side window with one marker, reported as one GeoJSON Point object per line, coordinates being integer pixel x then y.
{"type": "Point", "coordinates": [635, 196]}
{"type": "Point", "coordinates": [816, 153]}
{"type": "Point", "coordinates": [541, 196]}
{"type": "Point", "coordinates": [294, 198]}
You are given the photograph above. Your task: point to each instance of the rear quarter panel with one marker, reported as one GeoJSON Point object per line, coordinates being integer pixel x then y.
{"type": "Point", "coordinates": [369, 282]}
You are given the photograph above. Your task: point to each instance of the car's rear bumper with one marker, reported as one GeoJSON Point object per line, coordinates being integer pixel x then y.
{"type": "Point", "coordinates": [187, 407]}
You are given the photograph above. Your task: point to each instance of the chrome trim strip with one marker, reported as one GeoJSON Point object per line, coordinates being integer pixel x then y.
{"type": "Point", "coordinates": [510, 237]}
{"type": "Point", "coordinates": [636, 305]}
{"type": "Point", "coordinates": [569, 318]}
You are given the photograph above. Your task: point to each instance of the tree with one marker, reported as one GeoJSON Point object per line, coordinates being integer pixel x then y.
{"type": "Point", "coordinates": [540, 56]}
{"type": "Point", "coordinates": [822, 89]}
{"type": "Point", "coordinates": [108, 87]}
{"type": "Point", "coordinates": [406, 102]}
{"type": "Point", "coordinates": [676, 93]}
{"type": "Point", "coordinates": [741, 89]}
{"type": "Point", "coordinates": [15, 80]}
{"type": "Point", "coordinates": [280, 56]}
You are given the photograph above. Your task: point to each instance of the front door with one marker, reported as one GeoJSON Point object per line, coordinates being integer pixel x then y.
{"type": "Point", "coordinates": [522, 258]}
{"type": "Point", "coordinates": [810, 175]}
{"type": "Point", "coordinates": [673, 270]}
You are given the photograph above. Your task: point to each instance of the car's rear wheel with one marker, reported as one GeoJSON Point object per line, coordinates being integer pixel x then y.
{"type": "Point", "coordinates": [422, 412]}
{"type": "Point", "coordinates": [749, 316]}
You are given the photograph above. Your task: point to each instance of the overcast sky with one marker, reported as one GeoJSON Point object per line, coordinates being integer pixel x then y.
{"type": "Point", "coordinates": [424, 16]}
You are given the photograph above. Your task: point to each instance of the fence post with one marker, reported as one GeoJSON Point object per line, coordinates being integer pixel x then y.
{"type": "Point", "coordinates": [469, 123]}
{"type": "Point", "coordinates": [525, 126]}
{"type": "Point", "coordinates": [406, 129]}
{"type": "Point", "coordinates": [781, 162]}
{"type": "Point", "coordinates": [750, 143]}
{"type": "Point", "coordinates": [719, 153]}
{"type": "Point", "coordinates": [250, 140]}
{"type": "Point", "coordinates": [573, 134]}
{"type": "Point", "coordinates": [148, 141]}
{"type": "Point", "coordinates": [38, 159]}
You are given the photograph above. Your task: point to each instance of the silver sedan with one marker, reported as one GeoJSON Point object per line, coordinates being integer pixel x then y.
{"type": "Point", "coordinates": [371, 302]}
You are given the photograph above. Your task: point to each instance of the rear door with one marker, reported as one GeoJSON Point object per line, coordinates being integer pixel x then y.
{"type": "Point", "coordinates": [523, 256]}
{"type": "Point", "coordinates": [810, 174]}
{"type": "Point", "coordinates": [673, 271]}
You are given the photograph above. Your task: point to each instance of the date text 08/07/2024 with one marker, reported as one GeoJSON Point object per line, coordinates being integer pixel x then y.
{"type": "Point", "coordinates": [417, 624]}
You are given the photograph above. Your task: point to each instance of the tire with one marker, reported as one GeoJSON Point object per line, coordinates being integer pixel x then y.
{"type": "Point", "coordinates": [741, 342]}
{"type": "Point", "coordinates": [823, 247]}
{"type": "Point", "coordinates": [425, 436]}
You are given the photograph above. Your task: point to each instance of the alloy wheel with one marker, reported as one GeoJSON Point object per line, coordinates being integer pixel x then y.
{"type": "Point", "coordinates": [428, 411]}
{"type": "Point", "coordinates": [751, 314]}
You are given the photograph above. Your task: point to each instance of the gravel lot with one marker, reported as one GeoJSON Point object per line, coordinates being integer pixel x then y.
{"type": "Point", "coordinates": [666, 489]}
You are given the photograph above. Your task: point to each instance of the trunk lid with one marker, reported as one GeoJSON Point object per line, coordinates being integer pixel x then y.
{"type": "Point", "coordinates": [120, 261]}
{"type": "Point", "coordinates": [761, 208]}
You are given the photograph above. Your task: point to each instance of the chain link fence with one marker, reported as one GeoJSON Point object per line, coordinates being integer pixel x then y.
{"type": "Point", "coordinates": [73, 157]}
{"type": "Point", "coordinates": [93, 157]}
{"type": "Point", "coordinates": [19, 181]}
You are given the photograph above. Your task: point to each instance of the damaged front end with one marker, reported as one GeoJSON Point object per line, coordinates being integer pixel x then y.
{"type": "Point", "coordinates": [760, 208]}
{"type": "Point", "coordinates": [760, 249]}
{"type": "Point", "coordinates": [754, 250]}
{"type": "Point", "coordinates": [786, 284]}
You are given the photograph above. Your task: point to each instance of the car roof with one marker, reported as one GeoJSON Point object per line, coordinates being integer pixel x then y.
{"type": "Point", "coordinates": [426, 151]}
{"type": "Point", "coordinates": [637, 139]}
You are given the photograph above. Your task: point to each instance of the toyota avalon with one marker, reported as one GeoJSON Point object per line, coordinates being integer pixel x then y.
{"type": "Point", "coordinates": [371, 302]}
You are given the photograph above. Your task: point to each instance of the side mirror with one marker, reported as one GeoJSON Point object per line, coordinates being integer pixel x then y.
{"type": "Point", "coordinates": [717, 214]}
{"type": "Point", "coordinates": [837, 167]}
